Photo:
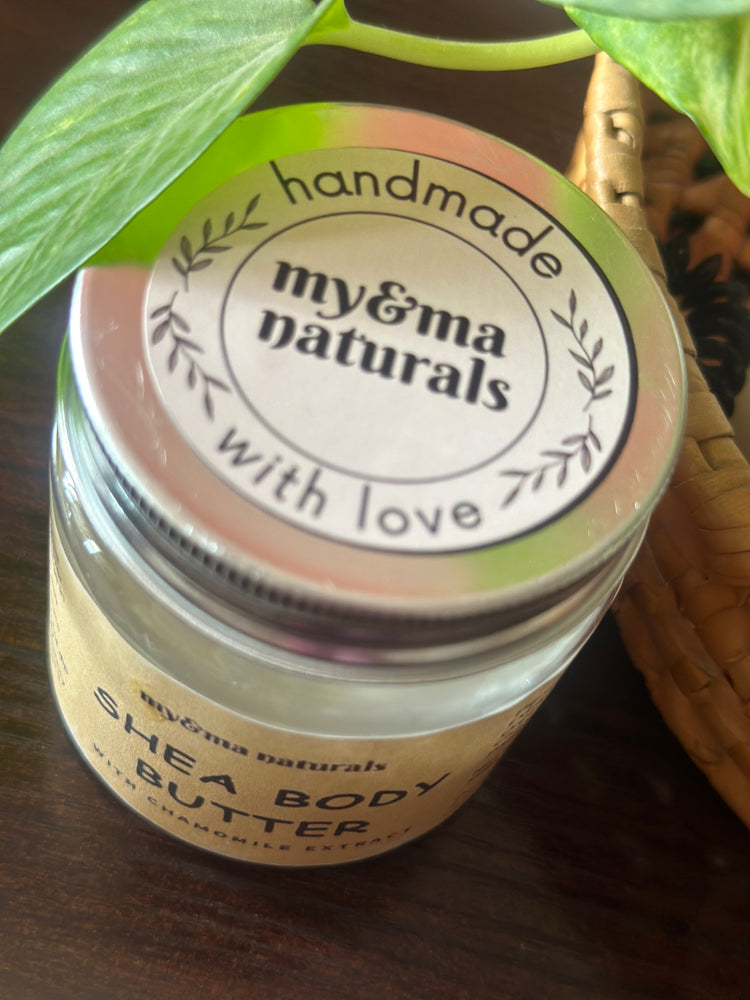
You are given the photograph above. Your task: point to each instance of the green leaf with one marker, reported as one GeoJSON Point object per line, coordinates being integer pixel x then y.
{"type": "Point", "coordinates": [701, 68]}
{"type": "Point", "coordinates": [126, 120]}
{"type": "Point", "coordinates": [660, 10]}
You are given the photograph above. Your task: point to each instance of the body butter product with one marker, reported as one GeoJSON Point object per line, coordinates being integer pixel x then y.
{"type": "Point", "coordinates": [350, 458]}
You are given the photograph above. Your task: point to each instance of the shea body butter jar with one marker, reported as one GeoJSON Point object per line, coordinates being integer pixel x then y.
{"type": "Point", "coordinates": [351, 456]}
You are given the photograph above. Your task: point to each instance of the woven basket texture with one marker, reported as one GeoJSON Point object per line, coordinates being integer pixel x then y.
{"type": "Point", "coordinates": [684, 608]}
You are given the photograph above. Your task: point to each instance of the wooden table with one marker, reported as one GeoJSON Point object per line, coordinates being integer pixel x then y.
{"type": "Point", "coordinates": [595, 864]}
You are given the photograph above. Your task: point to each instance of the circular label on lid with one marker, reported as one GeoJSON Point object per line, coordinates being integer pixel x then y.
{"type": "Point", "coordinates": [432, 358]}
{"type": "Point", "coordinates": [390, 350]}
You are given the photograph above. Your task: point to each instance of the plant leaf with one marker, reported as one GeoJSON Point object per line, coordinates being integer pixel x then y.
{"type": "Point", "coordinates": [160, 332]}
{"type": "Point", "coordinates": [208, 403]}
{"type": "Point", "coordinates": [700, 67]}
{"type": "Point", "coordinates": [580, 359]}
{"type": "Point", "coordinates": [180, 323]}
{"type": "Point", "coordinates": [186, 249]}
{"type": "Point", "coordinates": [126, 120]}
{"type": "Point", "coordinates": [512, 495]}
{"type": "Point", "coordinates": [661, 10]}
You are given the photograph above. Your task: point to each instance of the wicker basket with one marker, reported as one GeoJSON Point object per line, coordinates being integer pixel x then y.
{"type": "Point", "coordinates": [684, 609]}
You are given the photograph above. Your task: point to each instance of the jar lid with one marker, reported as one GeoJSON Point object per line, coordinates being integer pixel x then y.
{"type": "Point", "coordinates": [398, 368]}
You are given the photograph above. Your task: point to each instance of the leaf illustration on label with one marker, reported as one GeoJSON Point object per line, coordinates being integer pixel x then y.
{"type": "Point", "coordinates": [590, 378]}
{"type": "Point", "coordinates": [171, 324]}
{"type": "Point", "coordinates": [191, 260]}
{"type": "Point", "coordinates": [573, 447]}
{"type": "Point", "coordinates": [558, 461]}
{"type": "Point", "coordinates": [201, 257]}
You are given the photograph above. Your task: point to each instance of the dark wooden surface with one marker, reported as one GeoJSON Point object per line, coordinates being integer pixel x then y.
{"type": "Point", "coordinates": [595, 864]}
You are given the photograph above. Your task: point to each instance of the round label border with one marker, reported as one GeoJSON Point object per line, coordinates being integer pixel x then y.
{"type": "Point", "coordinates": [627, 340]}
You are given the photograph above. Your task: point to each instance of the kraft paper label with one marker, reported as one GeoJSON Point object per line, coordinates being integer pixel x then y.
{"type": "Point", "coordinates": [390, 350]}
{"type": "Point", "coordinates": [237, 787]}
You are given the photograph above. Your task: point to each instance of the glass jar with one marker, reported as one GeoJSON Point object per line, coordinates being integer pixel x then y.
{"type": "Point", "coordinates": [344, 477]}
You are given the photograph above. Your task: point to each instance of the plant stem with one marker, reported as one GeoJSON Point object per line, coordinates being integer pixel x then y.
{"type": "Point", "coordinates": [337, 28]}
